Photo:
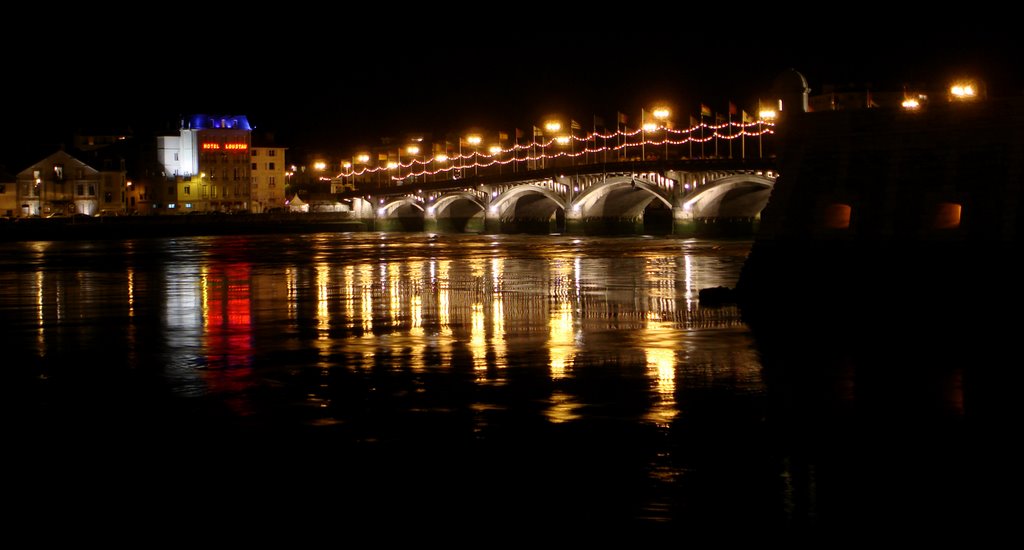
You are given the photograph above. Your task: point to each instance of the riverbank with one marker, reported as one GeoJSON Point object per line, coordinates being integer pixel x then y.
{"type": "Point", "coordinates": [120, 227]}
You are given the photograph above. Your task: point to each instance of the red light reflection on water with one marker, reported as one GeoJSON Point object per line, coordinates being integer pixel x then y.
{"type": "Point", "coordinates": [227, 331]}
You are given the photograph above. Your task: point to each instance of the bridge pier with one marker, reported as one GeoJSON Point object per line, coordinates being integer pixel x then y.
{"type": "Point", "coordinates": [470, 224]}
{"type": "Point", "coordinates": [604, 226]}
{"type": "Point", "coordinates": [716, 228]}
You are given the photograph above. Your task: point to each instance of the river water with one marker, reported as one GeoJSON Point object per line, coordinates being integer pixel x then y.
{"type": "Point", "coordinates": [462, 384]}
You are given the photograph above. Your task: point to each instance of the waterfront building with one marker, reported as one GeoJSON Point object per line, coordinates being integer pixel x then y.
{"type": "Point", "coordinates": [268, 178]}
{"type": "Point", "coordinates": [61, 184]}
{"type": "Point", "coordinates": [206, 166]}
{"type": "Point", "coordinates": [8, 194]}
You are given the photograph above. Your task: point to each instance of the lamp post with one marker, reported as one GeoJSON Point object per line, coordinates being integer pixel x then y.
{"type": "Point", "coordinates": [762, 116]}
{"type": "Point", "coordinates": [440, 158]}
{"type": "Point", "coordinates": [346, 167]}
{"type": "Point", "coordinates": [364, 160]}
{"type": "Point", "coordinates": [553, 127]}
{"type": "Point", "coordinates": [412, 150]}
{"type": "Point", "coordinates": [495, 151]}
{"type": "Point", "coordinates": [474, 140]}
{"type": "Point", "coordinates": [661, 114]}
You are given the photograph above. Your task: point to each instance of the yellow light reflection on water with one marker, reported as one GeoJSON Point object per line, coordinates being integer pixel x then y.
{"type": "Point", "coordinates": [478, 337]}
{"type": "Point", "coordinates": [443, 296]}
{"type": "Point", "coordinates": [323, 314]}
{"type": "Point", "coordinates": [498, 312]}
{"type": "Point", "coordinates": [415, 295]}
{"type": "Point", "coordinates": [688, 262]}
{"type": "Point", "coordinates": [366, 298]}
{"type": "Point", "coordinates": [131, 292]}
{"type": "Point", "coordinates": [40, 317]}
{"type": "Point", "coordinates": [349, 273]}
{"type": "Point", "coordinates": [290, 278]}
{"type": "Point", "coordinates": [661, 365]}
{"type": "Point", "coordinates": [395, 294]}
{"type": "Point", "coordinates": [561, 339]}
{"type": "Point", "coordinates": [563, 408]}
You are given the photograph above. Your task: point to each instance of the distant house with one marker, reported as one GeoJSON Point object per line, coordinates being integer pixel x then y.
{"type": "Point", "coordinates": [63, 184]}
{"type": "Point", "coordinates": [8, 194]}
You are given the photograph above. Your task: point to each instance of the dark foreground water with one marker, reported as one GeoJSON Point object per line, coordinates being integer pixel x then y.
{"type": "Point", "coordinates": [460, 388]}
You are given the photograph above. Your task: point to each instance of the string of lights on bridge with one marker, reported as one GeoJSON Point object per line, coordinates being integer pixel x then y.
{"type": "Point", "coordinates": [708, 133]}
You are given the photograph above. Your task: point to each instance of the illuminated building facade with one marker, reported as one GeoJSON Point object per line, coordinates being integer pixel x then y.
{"type": "Point", "coordinates": [63, 185]}
{"type": "Point", "coordinates": [8, 194]}
{"type": "Point", "coordinates": [206, 166]}
{"type": "Point", "coordinates": [268, 178]}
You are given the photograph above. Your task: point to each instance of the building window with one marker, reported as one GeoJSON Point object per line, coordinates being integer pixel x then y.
{"type": "Point", "coordinates": [80, 189]}
{"type": "Point", "coordinates": [234, 172]}
{"type": "Point", "coordinates": [92, 190]}
{"type": "Point", "coordinates": [58, 172]}
{"type": "Point", "coordinates": [270, 166]}
{"type": "Point", "coordinates": [254, 166]}
{"type": "Point", "coordinates": [170, 190]}
{"type": "Point", "coordinates": [270, 182]}
{"type": "Point", "coordinates": [254, 152]}
{"type": "Point", "coordinates": [272, 153]}
{"type": "Point", "coordinates": [3, 189]}
{"type": "Point", "coordinates": [108, 197]}
{"type": "Point", "coordinates": [188, 190]}
{"type": "Point", "coordinates": [175, 157]}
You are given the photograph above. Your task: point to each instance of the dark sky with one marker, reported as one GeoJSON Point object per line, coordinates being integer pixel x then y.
{"type": "Point", "coordinates": [327, 82]}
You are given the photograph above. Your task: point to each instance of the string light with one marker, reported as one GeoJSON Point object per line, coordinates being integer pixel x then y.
{"type": "Point", "coordinates": [710, 132]}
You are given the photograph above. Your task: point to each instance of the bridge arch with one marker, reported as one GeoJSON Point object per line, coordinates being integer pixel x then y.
{"type": "Point", "coordinates": [400, 214]}
{"type": "Point", "coordinates": [528, 208]}
{"type": "Point", "coordinates": [457, 212]}
{"type": "Point", "coordinates": [731, 196]}
{"type": "Point", "coordinates": [625, 203]}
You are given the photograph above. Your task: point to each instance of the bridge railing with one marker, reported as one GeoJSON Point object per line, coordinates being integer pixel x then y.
{"type": "Point", "coordinates": [732, 141]}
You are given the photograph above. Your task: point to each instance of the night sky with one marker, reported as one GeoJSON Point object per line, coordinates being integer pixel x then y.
{"type": "Point", "coordinates": [322, 86]}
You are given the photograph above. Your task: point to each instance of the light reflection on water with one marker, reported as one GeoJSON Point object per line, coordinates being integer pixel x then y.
{"type": "Point", "coordinates": [578, 343]}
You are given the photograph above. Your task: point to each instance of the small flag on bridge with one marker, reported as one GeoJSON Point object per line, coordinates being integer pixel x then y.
{"type": "Point", "coordinates": [519, 134]}
{"type": "Point", "coordinates": [747, 118]}
{"type": "Point", "coordinates": [623, 119]}
{"type": "Point", "coordinates": [502, 136]}
{"type": "Point", "coordinates": [575, 125]}
{"type": "Point", "coordinates": [732, 108]}
{"type": "Point", "coordinates": [705, 110]}
{"type": "Point", "coordinates": [693, 122]}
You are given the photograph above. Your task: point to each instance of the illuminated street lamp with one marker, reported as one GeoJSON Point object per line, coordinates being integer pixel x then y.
{"type": "Point", "coordinates": [764, 115]}
{"type": "Point", "coordinates": [661, 114]}
{"type": "Point", "coordinates": [965, 90]}
{"type": "Point", "coordinates": [911, 104]}
{"type": "Point", "coordinates": [551, 128]}
{"type": "Point", "coordinates": [474, 140]}
{"type": "Point", "coordinates": [412, 150]}
{"type": "Point", "coordinates": [363, 158]}
{"type": "Point", "coordinates": [319, 166]}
